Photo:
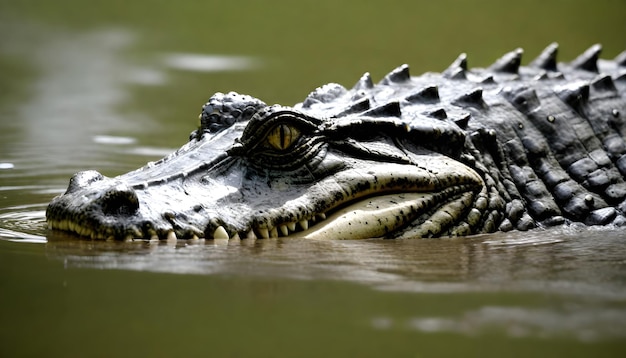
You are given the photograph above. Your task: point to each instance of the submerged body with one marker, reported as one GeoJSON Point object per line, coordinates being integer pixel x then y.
{"type": "Point", "coordinates": [450, 154]}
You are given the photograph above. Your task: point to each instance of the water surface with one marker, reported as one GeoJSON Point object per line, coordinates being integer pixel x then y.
{"type": "Point", "coordinates": [110, 87]}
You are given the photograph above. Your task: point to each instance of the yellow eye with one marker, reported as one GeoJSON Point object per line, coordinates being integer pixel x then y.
{"type": "Point", "coordinates": [283, 136]}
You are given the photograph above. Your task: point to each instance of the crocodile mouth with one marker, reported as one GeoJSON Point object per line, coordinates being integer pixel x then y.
{"type": "Point", "coordinates": [418, 214]}
{"type": "Point", "coordinates": [428, 214]}
{"type": "Point", "coordinates": [392, 201]}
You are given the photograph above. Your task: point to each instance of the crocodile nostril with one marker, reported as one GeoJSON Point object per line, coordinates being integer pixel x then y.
{"type": "Point", "coordinates": [82, 180]}
{"type": "Point", "coordinates": [119, 201]}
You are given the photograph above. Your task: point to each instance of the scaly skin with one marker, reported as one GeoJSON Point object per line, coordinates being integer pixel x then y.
{"type": "Point", "coordinates": [450, 154]}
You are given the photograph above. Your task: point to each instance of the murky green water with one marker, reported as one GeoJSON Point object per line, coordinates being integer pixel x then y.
{"type": "Point", "coordinates": [110, 85]}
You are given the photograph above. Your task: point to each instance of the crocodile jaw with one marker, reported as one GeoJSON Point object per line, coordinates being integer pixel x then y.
{"type": "Point", "coordinates": [368, 200]}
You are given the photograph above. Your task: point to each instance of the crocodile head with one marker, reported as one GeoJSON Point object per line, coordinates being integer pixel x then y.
{"type": "Point", "coordinates": [252, 170]}
{"type": "Point", "coordinates": [401, 158]}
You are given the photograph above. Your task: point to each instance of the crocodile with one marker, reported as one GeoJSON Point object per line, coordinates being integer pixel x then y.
{"type": "Point", "coordinates": [456, 153]}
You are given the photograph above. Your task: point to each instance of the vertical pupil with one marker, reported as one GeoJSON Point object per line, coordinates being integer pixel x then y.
{"type": "Point", "coordinates": [283, 137]}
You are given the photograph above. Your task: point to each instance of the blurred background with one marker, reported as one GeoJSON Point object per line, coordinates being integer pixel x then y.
{"type": "Point", "coordinates": [278, 51]}
{"type": "Point", "coordinates": [112, 84]}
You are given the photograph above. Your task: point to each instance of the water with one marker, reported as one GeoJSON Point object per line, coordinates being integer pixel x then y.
{"type": "Point", "coordinates": [109, 88]}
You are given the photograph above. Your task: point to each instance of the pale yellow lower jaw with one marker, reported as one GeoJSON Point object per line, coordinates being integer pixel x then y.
{"type": "Point", "coordinates": [371, 218]}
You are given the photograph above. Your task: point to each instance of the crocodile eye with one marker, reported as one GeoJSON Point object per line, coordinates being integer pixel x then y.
{"type": "Point", "coordinates": [283, 136]}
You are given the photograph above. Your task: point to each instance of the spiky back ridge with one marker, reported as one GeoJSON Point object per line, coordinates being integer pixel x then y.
{"type": "Point", "coordinates": [548, 138]}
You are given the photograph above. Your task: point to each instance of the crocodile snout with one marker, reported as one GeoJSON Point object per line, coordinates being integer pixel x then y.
{"type": "Point", "coordinates": [119, 200]}
{"type": "Point", "coordinates": [83, 179]}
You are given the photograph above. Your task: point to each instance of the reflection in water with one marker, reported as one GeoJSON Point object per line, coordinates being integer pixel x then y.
{"type": "Point", "coordinates": [22, 223]}
{"type": "Point", "coordinates": [584, 323]}
{"type": "Point", "coordinates": [81, 93]}
{"type": "Point", "coordinates": [208, 63]}
{"type": "Point", "coordinates": [573, 261]}
{"type": "Point", "coordinates": [585, 267]}
{"type": "Point", "coordinates": [76, 94]}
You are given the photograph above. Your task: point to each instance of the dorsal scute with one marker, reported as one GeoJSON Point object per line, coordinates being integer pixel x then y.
{"type": "Point", "coordinates": [389, 109]}
{"type": "Point", "coordinates": [327, 93]}
{"type": "Point", "coordinates": [603, 83]}
{"type": "Point", "coordinates": [361, 105]}
{"type": "Point", "coordinates": [365, 82]}
{"type": "Point", "coordinates": [621, 59]}
{"type": "Point", "coordinates": [428, 94]}
{"type": "Point", "coordinates": [523, 98]}
{"type": "Point", "coordinates": [576, 95]}
{"type": "Point", "coordinates": [488, 80]}
{"type": "Point", "coordinates": [588, 60]}
{"type": "Point", "coordinates": [463, 120]}
{"type": "Point", "coordinates": [399, 75]}
{"type": "Point", "coordinates": [509, 63]}
{"type": "Point", "coordinates": [438, 113]}
{"type": "Point", "coordinates": [547, 60]}
{"type": "Point", "coordinates": [457, 69]}
{"type": "Point", "coordinates": [473, 98]}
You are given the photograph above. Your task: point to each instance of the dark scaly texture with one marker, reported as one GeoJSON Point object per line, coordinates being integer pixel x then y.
{"type": "Point", "coordinates": [450, 154]}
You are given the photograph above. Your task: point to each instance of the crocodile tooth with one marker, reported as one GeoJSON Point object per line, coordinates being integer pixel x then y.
{"type": "Point", "coordinates": [235, 237]}
{"type": "Point", "coordinates": [509, 63]}
{"type": "Point", "coordinates": [304, 224]}
{"type": "Point", "coordinates": [274, 232]}
{"type": "Point", "coordinates": [457, 68]}
{"type": "Point", "coordinates": [284, 230]}
{"type": "Point", "coordinates": [291, 226]}
{"type": "Point", "coordinates": [251, 235]}
{"type": "Point", "coordinates": [588, 61]}
{"type": "Point", "coordinates": [547, 59]}
{"type": "Point", "coordinates": [194, 238]}
{"type": "Point", "coordinates": [264, 233]}
{"type": "Point", "coordinates": [137, 233]}
{"type": "Point", "coordinates": [220, 233]}
{"type": "Point", "coordinates": [154, 237]}
{"type": "Point", "coordinates": [398, 75]}
{"type": "Point", "coordinates": [321, 216]}
{"type": "Point", "coordinates": [171, 236]}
